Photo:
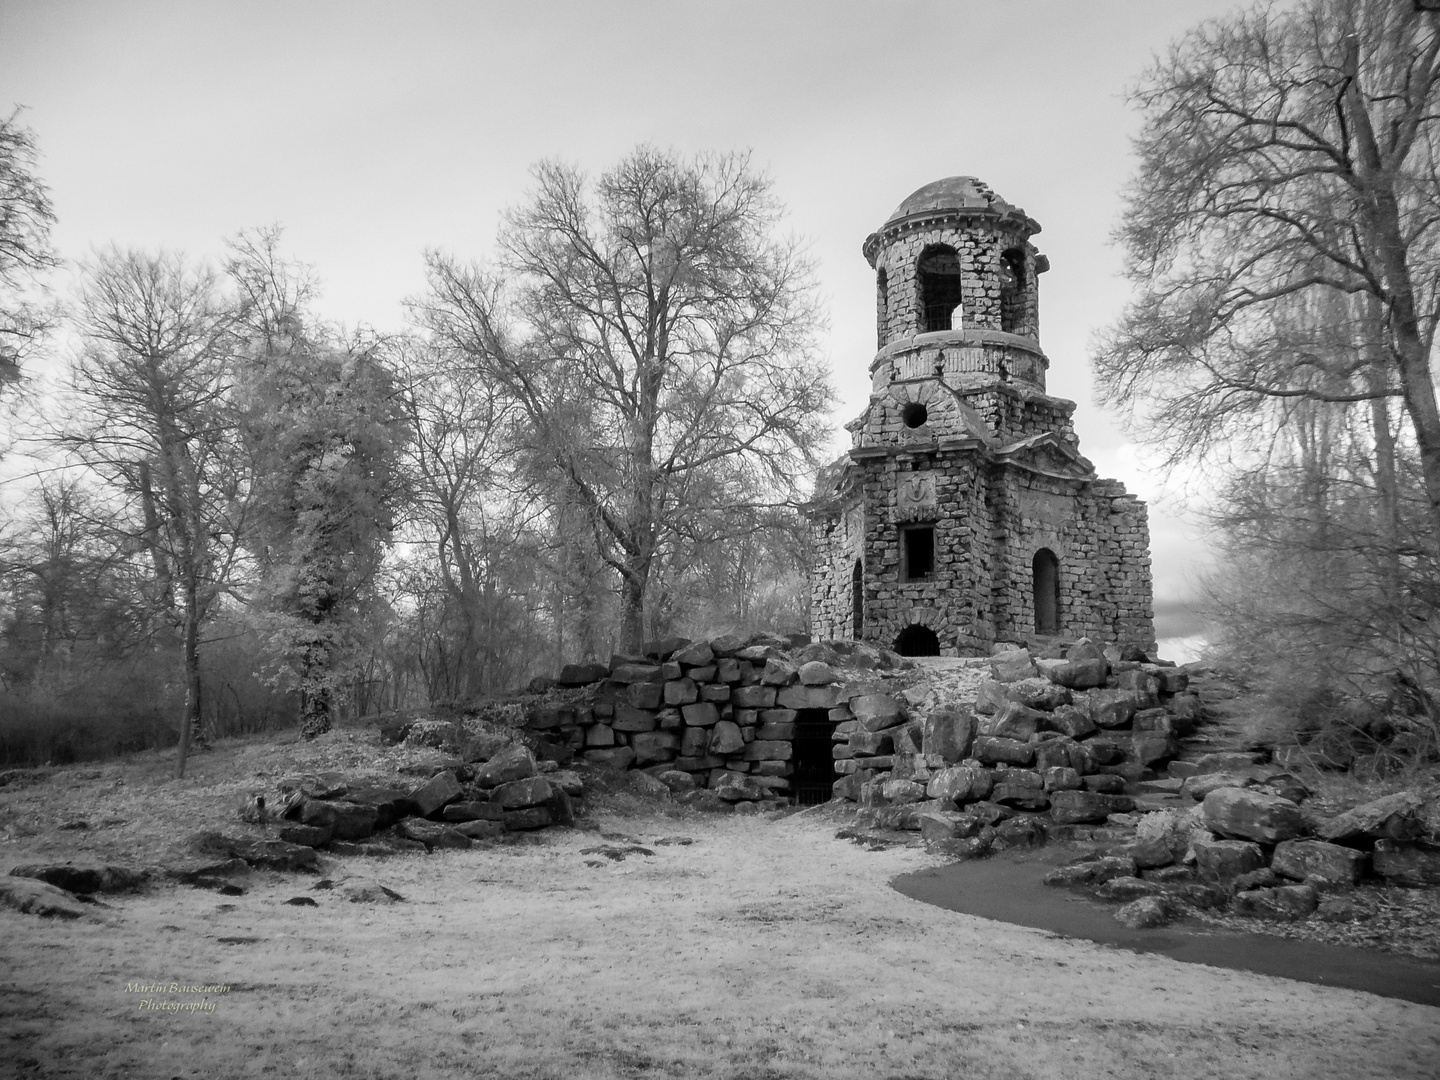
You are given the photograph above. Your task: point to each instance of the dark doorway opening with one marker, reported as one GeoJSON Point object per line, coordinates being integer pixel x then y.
{"type": "Point", "coordinates": [917, 640]}
{"type": "Point", "coordinates": [857, 601]}
{"type": "Point", "coordinates": [917, 552]}
{"type": "Point", "coordinates": [1012, 290]}
{"type": "Point", "coordinates": [1046, 573]}
{"type": "Point", "coordinates": [812, 777]}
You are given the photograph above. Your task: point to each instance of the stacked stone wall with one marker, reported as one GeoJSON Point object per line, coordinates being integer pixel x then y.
{"type": "Point", "coordinates": [979, 245]}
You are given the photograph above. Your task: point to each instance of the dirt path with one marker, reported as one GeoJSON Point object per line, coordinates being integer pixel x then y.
{"type": "Point", "coordinates": [762, 950]}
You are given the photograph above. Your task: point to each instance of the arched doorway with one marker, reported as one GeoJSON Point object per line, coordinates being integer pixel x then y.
{"type": "Point", "coordinates": [917, 640]}
{"type": "Point", "coordinates": [1045, 573]}
{"type": "Point", "coordinates": [812, 768]}
{"type": "Point", "coordinates": [857, 601]}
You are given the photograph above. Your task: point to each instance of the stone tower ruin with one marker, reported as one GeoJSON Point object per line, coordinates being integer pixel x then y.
{"type": "Point", "coordinates": [963, 513]}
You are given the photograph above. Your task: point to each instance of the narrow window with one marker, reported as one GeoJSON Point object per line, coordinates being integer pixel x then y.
{"type": "Point", "coordinates": [917, 640]}
{"type": "Point", "coordinates": [1046, 575]}
{"type": "Point", "coordinates": [917, 552]}
{"type": "Point", "coordinates": [882, 303]}
{"type": "Point", "coordinates": [1012, 291]}
{"type": "Point", "coordinates": [938, 271]}
{"type": "Point", "coordinates": [857, 601]}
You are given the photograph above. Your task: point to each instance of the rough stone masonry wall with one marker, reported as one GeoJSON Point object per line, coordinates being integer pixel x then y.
{"type": "Point", "coordinates": [1063, 734]}
{"type": "Point", "coordinates": [979, 247]}
{"type": "Point", "coordinates": [1100, 536]}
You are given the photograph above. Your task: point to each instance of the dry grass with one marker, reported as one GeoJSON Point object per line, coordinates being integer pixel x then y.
{"type": "Point", "coordinates": [765, 950]}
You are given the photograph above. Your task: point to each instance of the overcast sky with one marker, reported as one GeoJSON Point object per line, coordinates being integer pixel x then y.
{"type": "Point", "coordinates": [372, 131]}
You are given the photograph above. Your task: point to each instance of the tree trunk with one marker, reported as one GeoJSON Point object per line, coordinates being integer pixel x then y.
{"type": "Point", "coordinates": [190, 724]}
{"type": "Point", "coordinates": [632, 608]}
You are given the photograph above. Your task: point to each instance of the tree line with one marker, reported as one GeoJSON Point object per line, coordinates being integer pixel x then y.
{"type": "Point", "coordinates": [244, 514]}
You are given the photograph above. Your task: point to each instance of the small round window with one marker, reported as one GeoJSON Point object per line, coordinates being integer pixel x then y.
{"type": "Point", "coordinates": [914, 414]}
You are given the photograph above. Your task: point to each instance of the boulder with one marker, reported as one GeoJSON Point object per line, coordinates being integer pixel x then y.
{"type": "Point", "coordinates": [1150, 747]}
{"type": "Point", "coordinates": [1037, 693]}
{"type": "Point", "coordinates": [990, 697]}
{"type": "Point", "coordinates": [460, 812]}
{"type": "Point", "coordinates": [433, 834]}
{"type": "Point", "coordinates": [726, 738]}
{"type": "Point", "coordinates": [1228, 761]}
{"type": "Point", "coordinates": [582, 674]}
{"type": "Point", "coordinates": [1079, 807]}
{"type": "Point", "coordinates": [1202, 784]}
{"type": "Point", "coordinates": [430, 796]}
{"type": "Point", "coordinates": [697, 655]}
{"type": "Point", "coordinates": [733, 787]}
{"type": "Point", "coordinates": [629, 717]}
{"type": "Point", "coordinates": [1107, 708]}
{"type": "Point", "coordinates": [1077, 674]}
{"type": "Point", "coordinates": [1020, 796]}
{"type": "Point", "coordinates": [86, 878]}
{"type": "Point", "coordinates": [960, 784]}
{"type": "Point", "coordinates": [992, 751]}
{"type": "Point", "coordinates": [618, 757]}
{"type": "Point", "coordinates": [1252, 815]}
{"type": "Point", "coordinates": [701, 714]}
{"type": "Point", "coordinates": [901, 792]}
{"type": "Point", "coordinates": [816, 673]}
{"type": "Point", "coordinates": [653, 747]}
{"type": "Point", "coordinates": [651, 787]}
{"type": "Point", "coordinates": [1012, 665]}
{"type": "Point", "coordinates": [599, 736]}
{"type": "Point", "coordinates": [871, 742]}
{"type": "Point", "coordinates": [678, 781]}
{"type": "Point", "coordinates": [1061, 778]}
{"type": "Point", "coordinates": [1225, 860]}
{"type": "Point", "coordinates": [1394, 817]}
{"type": "Point", "coordinates": [312, 836]}
{"type": "Point", "coordinates": [483, 747]}
{"type": "Point", "coordinates": [780, 671]}
{"type": "Point", "coordinates": [796, 696]}
{"type": "Point", "coordinates": [1014, 721]}
{"type": "Point", "coordinates": [517, 794]}
{"type": "Point", "coordinates": [1095, 871]}
{"type": "Point", "coordinates": [34, 897]}
{"type": "Point", "coordinates": [633, 673]}
{"type": "Point", "coordinates": [513, 763]}
{"type": "Point", "coordinates": [1317, 860]}
{"type": "Point", "coordinates": [768, 750]}
{"type": "Point", "coordinates": [876, 712]}
{"type": "Point", "coordinates": [1020, 831]}
{"type": "Point", "coordinates": [528, 818]}
{"type": "Point", "coordinates": [1145, 913]}
{"type": "Point", "coordinates": [1285, 902]}
{"type": "Point", "coordinates": [948, 734]}
{"type": "Point", "coordinates": [1407, 864]}
{"type": "Point", "coordinates": [1068, 720]}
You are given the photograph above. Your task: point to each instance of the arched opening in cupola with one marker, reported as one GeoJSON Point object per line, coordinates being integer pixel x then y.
{"type": "Point", "coordinates": [938, 275]}
{"type": "Point", "coordinates": [1012, 290]}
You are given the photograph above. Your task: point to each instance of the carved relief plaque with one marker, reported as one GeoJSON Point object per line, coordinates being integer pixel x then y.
{"type": "Point", "coordinates": [915, 493]}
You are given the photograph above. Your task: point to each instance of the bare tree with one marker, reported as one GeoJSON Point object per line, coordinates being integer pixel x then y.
{"type": "Point", "coordinates": [153, 421]}
{"type": "Point", "coordinates": [1290, 158]}
{"type": "Point", "coordinates": [654, 333]}
{"type": "Point", "coordinates": [25, 219]}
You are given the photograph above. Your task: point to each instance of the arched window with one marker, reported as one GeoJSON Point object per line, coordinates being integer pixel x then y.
{"type": "Point", "coordinates": [1012, 290]}
{"type": "Point", "coordinates": [1045, 572]}
{"type": "Point", "coordinates": [857, 601]}
{"type": "Point", "coordinates": [938, 274]}
{"type": "Point", "coordinates": [917, 640]}
{"type": "Point", "coordinates": [882, 303]}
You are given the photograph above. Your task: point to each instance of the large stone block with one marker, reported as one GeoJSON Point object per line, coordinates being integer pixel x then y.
{"type": "Point", "coordinates": [876, 712]}
{"type": "Point", "coordinates": [618, 757]}
{"type": "Point", "coordinates": [1012, 665]}
{"type": "Point", "coordinates": [1407, 864]}
{"type": "Point", "coordinates": [696, 655]}
{"type": "Point", "coordinates": [809, 697]}
{"type": "Point", "coordinates": [779, 671]}
{"type": "Point", "coordinates": [653, 747]}
{"type": "Point", "coordinates": [1068, 720]}
{"type": "Point", "coordinates": [1108, 708]}
{"type": "Point", "coordinates": [1394, 817]}
{"type": "Point", "coordinates": [871, 742]}
{"type": "Point", "coordinates": [532, 791]}
{"type": "Point", "coordinates": [1225, 860]}
{"type": "Point", "coordinates": [726, 738]}
{"type": "Point", "coordinates": [772, 730]}
{"type": "Point", "coordinates": [993, 751]}
{"type": "Point", "coordinates": [960, 784]}
{"type": "Point", "coordinates": [701, 714]}
{"type": "Point", "coordinates": [629, 718]}
{"type": "Point", "coordinates": [1252, 815]}
{"type": "Point", "coordinates": [432, 795]}
{"type": "Point", "coordinates": [752, 697]}
{"type": "Point", "coordinates": [633, 673]}
{"type": "Point", "coordinates": [1076, 674]}
{"type": "Point", "coordinates": [900, 792]}
{"type": "Point", "coordinates": [1013, 722]}
{"type": "Point", "coordinates": [948, 734]}
{"type": "Point", "coordinates": [1037, 693]}
{"type": "Point", "coordinates": [681, 692]}
{"type": "Point", "coordinates": [1285, 902]}
{"type": "Point", "coordinates": [599, 735]}
{"type": "Point", "coordinates": [816, 673]}
{"type": "Point", "coordinates": [1079, 807]}
{"type": "Point", "coordinates": [768, 750]}
{"type": "Point", "coordinates": [1324, 862]}
{"type": "Point", "coordinates": [513, 763]}
{"type": "Point", "coordinates": [646, 695]}
{"type": "Point", "coordinates": [582, 674]}
{"type": "Point", "coordinates": [990, 697]}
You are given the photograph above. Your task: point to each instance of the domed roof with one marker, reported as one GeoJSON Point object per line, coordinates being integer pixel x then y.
{"type": "Point", "coordinates": [952, 193]}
